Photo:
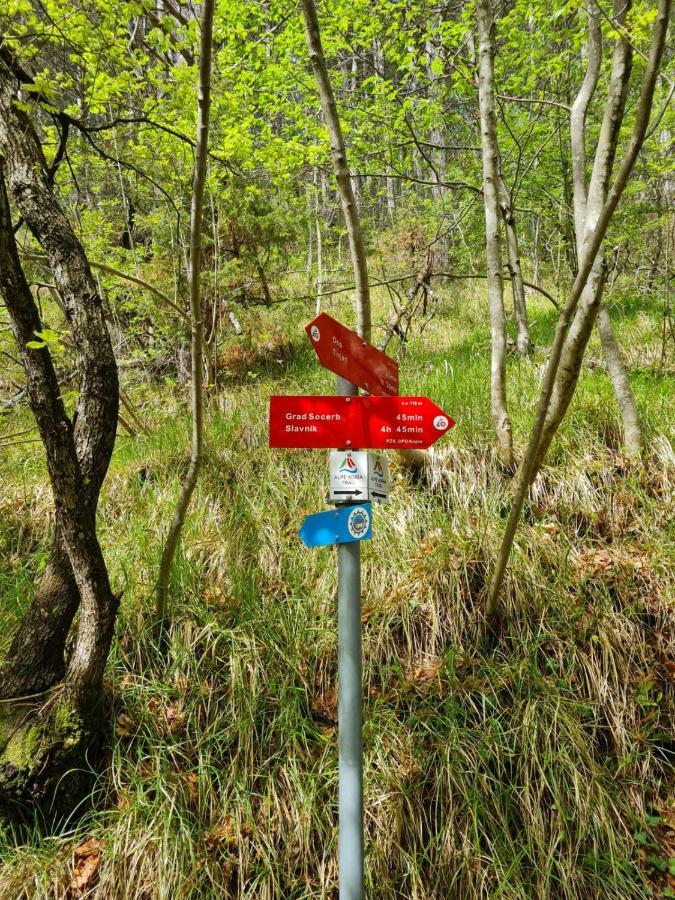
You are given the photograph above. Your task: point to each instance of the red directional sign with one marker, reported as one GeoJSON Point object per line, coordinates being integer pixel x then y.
{"type": "Point", "coordinates": [383, 423]}
{"type": "Point", "coordinates": [342, 351]}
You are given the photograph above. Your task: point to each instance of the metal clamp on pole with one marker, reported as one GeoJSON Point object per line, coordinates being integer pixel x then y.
{"type": "Point", "coordinates": [349, 710]}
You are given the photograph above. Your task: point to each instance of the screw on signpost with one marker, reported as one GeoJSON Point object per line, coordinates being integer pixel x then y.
{"type": "Point", "coordinates": [349, 709]}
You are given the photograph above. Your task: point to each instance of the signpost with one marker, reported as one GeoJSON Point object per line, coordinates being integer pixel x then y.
{"type": "Point", "coordinates": [385, 421]}
{"type": "Point", "coordinates": [342, 351]}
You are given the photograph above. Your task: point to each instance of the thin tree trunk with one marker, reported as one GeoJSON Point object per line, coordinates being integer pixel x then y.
{"type": "Point", "coordinates": [341, 169]}
{"type": "Point", "coordinates": [580, 330]}
{"type": "Point", "coordinates": [523, 342]}
{"type": "Point", "coordinates": [488, 120]}
{"type": "Point", "coordinates": [632, 433]}
{"type": "Point", "coordinates": [578, 115]}
{"type": "Point", "coordinates": [319, 256]}
{"type": "Point", "coordinates": [615, 366]}
{"type": "Point", "coordinates": [592, 244]}
{"type": "Point", "coordinates": [197, 326]}
{"type": "Point", "coordinates": [310, 230]}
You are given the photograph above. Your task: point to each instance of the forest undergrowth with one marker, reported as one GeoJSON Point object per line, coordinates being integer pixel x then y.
{"type": "Point", "coordinates": [539, 766]}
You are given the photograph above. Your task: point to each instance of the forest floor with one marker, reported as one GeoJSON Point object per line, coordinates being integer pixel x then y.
{"type": "Point", "coordinates": [540, 767]}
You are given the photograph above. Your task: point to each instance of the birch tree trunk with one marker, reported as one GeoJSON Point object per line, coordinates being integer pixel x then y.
{"type": "Point", "coordinates": [523, 342]}
{"type": "Point", "coordinates": [615, 366]}
{"type": "Point", "coordinates": [196, 323]}
{"type": "Point", "coordinates": [341, 169]}
{"type": "Point", "coordinates": [591, 204]}
{"type": "Point", "coordinates": [488, 123]}
{"type": "Point", "coordinates": [590, 249]}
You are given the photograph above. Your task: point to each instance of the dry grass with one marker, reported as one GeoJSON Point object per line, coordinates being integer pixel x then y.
{"type": "Point", "coordinates": [535, 768]}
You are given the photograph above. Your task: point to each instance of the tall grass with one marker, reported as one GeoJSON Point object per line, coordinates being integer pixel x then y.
{"type": "Point", "coordinates": [533, 769]}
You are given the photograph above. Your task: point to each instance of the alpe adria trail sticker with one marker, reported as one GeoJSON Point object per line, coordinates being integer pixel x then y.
{"type": "Point", "coordinates": [357, 475]}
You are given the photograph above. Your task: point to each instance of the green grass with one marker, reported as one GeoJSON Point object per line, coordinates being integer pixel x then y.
{"type": "Point", "coordinates": [530, 770]}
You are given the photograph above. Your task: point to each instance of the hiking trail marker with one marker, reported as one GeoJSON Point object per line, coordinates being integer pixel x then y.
{"type": "Point", "coordinates": [339, 526]}
{"type": "Point", "coordinates": [357, 475]}
{"type": "Point", "coordinates": [381, 421]}
{"type": "Point", "coordinates": [342, 351]}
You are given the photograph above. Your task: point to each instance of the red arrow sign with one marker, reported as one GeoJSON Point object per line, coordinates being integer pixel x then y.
{"type": "Point", "coordinates": [342, 351]}
{"type": "Point", "coordinates": [385, 423]}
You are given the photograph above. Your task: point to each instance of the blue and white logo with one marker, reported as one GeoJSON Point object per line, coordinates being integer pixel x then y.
{"type": "Point", "coordinates": [358, 522]}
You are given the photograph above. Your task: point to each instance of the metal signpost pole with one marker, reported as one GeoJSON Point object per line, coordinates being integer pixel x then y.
{"type": "Point", "coordinates": [349, 710]}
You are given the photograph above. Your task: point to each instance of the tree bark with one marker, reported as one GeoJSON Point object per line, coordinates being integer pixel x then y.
{"type": "Point", "coordinates": [197, 326]}
{"type": "Point", "coordinates": [616, 369]}
{"type": "Point", "coordinates": [36, 753]}
{"type": "Point", "coordinates": [74, 515]}
{"type": "Point", "coordinates": [35, 660]}
{"type": "Point", "coordinates": [319, 250]}
{"type": "Point", "coordinates": [94, 422]}
{"type": "Point", "coordinates": [523, 342]}
{"type": "Point", "coordinates": [488, 122]}
{"type": "Point", "coordinates": [341, 169]}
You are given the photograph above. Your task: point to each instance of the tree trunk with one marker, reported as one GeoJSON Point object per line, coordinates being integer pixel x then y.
{"type": "Point", "coordinates": [590, 249]}
{"type": "Point", "coordinates": [319, 253]}
{"type": "Point", "coordinates": [39, 745]}
{"type": "Point", "coordinates": [632, 434]}
{"type": "Point", "coordinates": [615, 366]}
{"type": "Point", "coordinates": [590, 205]}
{"type": "Point", "coordinates": [197, 327]}
{"type": "Point", "coordinates": [95, 419]}
{"type": "Point", "coordinates": [35, 660]}
{"type": "Point", "coordinates": [488, 122]}
{"type": "Point", "coordinates": [523, 342]}
{"type": "Point", "coordinates": [341, 169]}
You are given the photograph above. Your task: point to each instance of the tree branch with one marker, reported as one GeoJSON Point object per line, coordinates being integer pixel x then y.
{"type": "Point", "coordinates": [102, 267]}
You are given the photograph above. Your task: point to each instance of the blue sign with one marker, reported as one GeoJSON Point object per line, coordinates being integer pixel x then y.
{"type": "Point", "coordinates": [338, 526]}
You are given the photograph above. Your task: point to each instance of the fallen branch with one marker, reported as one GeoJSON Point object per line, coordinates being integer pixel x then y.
{"type": "Point", "coordinates": [528, 284]}
{"type": "Point", "coordinates": [457, 276]}
{"type": "Point", "coordinates": [36, 257]}
{"type": "Point", "coordinates": [421, 283]}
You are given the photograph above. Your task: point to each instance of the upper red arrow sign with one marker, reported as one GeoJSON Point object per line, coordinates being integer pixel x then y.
{"type": "Point", "coordinates": [342, 351]}
{"type": "Point", "coordinates": [383, 423]}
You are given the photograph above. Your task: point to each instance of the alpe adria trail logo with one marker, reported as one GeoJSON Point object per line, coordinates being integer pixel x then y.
{"type": "Point", "coordinates": [349, 466]}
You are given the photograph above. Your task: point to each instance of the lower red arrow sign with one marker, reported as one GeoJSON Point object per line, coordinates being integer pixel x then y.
{"type": "Point", "coordinates": [384, 423]}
